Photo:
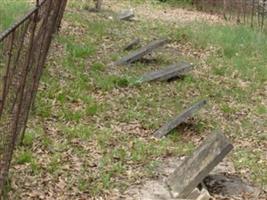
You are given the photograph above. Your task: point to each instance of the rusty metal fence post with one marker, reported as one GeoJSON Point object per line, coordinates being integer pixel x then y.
{"type": "Point", "coordinates": [23, 51]}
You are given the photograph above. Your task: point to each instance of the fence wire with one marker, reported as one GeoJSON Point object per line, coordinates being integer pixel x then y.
{"type": "Point", "coordinates": [23, 51]}
{"type": "Point", "coordinates": [251, 12]}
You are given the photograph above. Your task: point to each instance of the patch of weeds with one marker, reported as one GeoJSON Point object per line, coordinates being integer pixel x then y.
{"type": "Point", "coordinates": [98, 67]}
{"type": "Point", "coordinates": [151, 168]}
{"type": "Point", "coordinates": [43, 107]}
{"type": "Point", "coordinates": [261, 110]}
{"type": "Point", "coordinates": [121, 81]}
{"type": "Point", "coordinates": [79, 50]}
{"type": "Point", "coordinates": [252, 161]}
{"type": "Point", "coordinates": [24, 157]}
{"type": "Point", "coordinates": [11, 11]}
{"type": "Point", "coordinates": [144, 152]}
{"type": "Point", "coordinates": [227, 109]}
{"type": "Point", "coordinates": [35, 167]}
{"type": "Point", "coordinates": [47, 142]}
{"type": "Point", "coordinates": [71, 115]}
{"type": "Point", "coordinates": [80, 131]}
{"type": "Point", "coordinates": [76, 49]}
{"type": "Point", "coordinates": [115, 57]}
{"type": "Point", "coordinates": [28, 138]}
{"type": "Point", "coordinates": [83, 184]}
{"type": "Point", "coordinates": [54, 164]}
{"type": "Point", "coordinates": [220, 71]}
{"type": "Point", "coordinates": [200, 126]}
{"type": "Point", "coordinates": [106, 180]}
{"type": "Point", "coordinates": [108, 82]}
{"type": "Point", "coordinates": [241, 46]}
{"type": "Point", "coordinates": [32, 134]}
{"type": "Point", "coordinates": [105, 139]}
{"type": "Point", "coordinates": [91, 110]}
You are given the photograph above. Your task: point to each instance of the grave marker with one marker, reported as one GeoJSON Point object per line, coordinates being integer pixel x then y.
{"type": "Point", "coordinates": [168, 73]}
{"type": "Point", "coordinates": [195, 168]}
{"type": "Point", "coordinates": [132, 44]}
{"type": "Point", "coordinates": [136, 55]}
{"type": "Point", "coordinates": [163, 131]}
{"type": "Point", "coordinates": [126, 15]}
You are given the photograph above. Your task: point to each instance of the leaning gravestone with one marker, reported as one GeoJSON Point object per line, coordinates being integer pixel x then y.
{"type": "Point", "coordinates": [195, 168]}
{"type": "Point", "coordinates": [98, 5]}
{"type": "Point", "coordinates": [163, 131]}
{"type": "Point", "coordinates": [132, 44]}
{"type": "Point", "coordinates": [126, 15]}
{"type": "Point", "coordinates": [138, 54]}
{"type": "Point", "coordinates": [168, 73]}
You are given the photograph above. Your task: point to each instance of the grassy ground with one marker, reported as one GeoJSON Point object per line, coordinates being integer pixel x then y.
{"type": "Point", "coordinates": [89, 136]}
{"type": "Point", "coordinates": [10, 11]}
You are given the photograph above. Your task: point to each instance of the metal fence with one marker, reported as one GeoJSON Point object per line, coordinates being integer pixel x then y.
{"type": "Point", "coordinates": [252, 12]}
{"type": "Point", "coordinates": [23, 51]}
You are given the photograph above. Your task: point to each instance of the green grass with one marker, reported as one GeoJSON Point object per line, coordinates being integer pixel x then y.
{"type": "Point", "coordinates": [91, 126]}
{"type": "Point", "coordinates": [10, 11]}
{"type": "Point", "coordinates": [238, 46]}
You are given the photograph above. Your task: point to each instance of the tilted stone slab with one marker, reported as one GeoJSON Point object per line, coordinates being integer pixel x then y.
{"type": "Point", "coordinates": [163, 131]}
{"type": "Point", "coordinates": [126, 15]}
{"type": "Point", "coordinates": [168, 73]}
{"type": "Point", "coordinates": [195, 168]}
{"type": "Point", "coordinates": [132, 44]}
{"type": "Point", "coordinates": [136, 55]}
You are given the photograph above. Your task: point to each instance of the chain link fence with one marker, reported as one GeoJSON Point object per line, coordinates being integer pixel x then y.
{"type": "Point", "coordinates": [23, 51]}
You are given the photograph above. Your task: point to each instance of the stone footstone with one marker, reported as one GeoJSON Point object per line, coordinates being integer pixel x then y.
{"type": "Point", "coordinates": [132, 44]}
{"type": "Point", "coordinates": [138, 54]}
{"type": "Point", "coordinates": [163, 131]}
{"type": "Point", "coordinates": [126, 15]}
{"type": "Point", "coordinates": [168, 72]}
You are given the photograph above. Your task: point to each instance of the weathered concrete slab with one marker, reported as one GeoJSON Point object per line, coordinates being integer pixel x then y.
{"type": "Point", "coordinates": [136, 55]}
{"type": "Point", "coordinates": [126, 15]}
{"type": "Point", "coordinates": [158, 190]}
{"type": "Point", "coordinates": [195, 168]}
{"type": "Point", "coordinates": [132, 44]}
{"type": "Point", "coordinates": [163, 131]}
{"type": "Point", "coordinates": [168, 73]}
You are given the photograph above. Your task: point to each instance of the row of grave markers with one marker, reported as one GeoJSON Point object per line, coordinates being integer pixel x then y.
{"type": "Point", "coordinates": [185, 179]}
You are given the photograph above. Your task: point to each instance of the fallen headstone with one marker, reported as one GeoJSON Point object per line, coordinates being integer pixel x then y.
{"type": "Point", "coordinates": [196, 167]}
{"type": "Point", "coordinates": [168, 73]}
{"type": "Point", "coordinates": [163, 131]}
{"type": "Point", "coordinates": [136, 55]}
{"type": "Point", "coordinates": [126, 15]}
{"type": "Point", "coordinates": [157, 189]}
{"type": "Point", "coordinates": [132, 44]}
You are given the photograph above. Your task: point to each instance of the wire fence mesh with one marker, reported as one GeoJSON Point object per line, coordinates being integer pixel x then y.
{"type": "Point", "coordinates": [23, 51]}
{"type": "Point", "coordinates": [251, 12]}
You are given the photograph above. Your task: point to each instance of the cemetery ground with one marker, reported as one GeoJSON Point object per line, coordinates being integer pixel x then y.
{"type": "Point", "coordinates": [90, 133]}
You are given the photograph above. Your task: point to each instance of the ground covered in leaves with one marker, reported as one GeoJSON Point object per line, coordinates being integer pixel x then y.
{"type": "Point", "coordinates": [90, 132]}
